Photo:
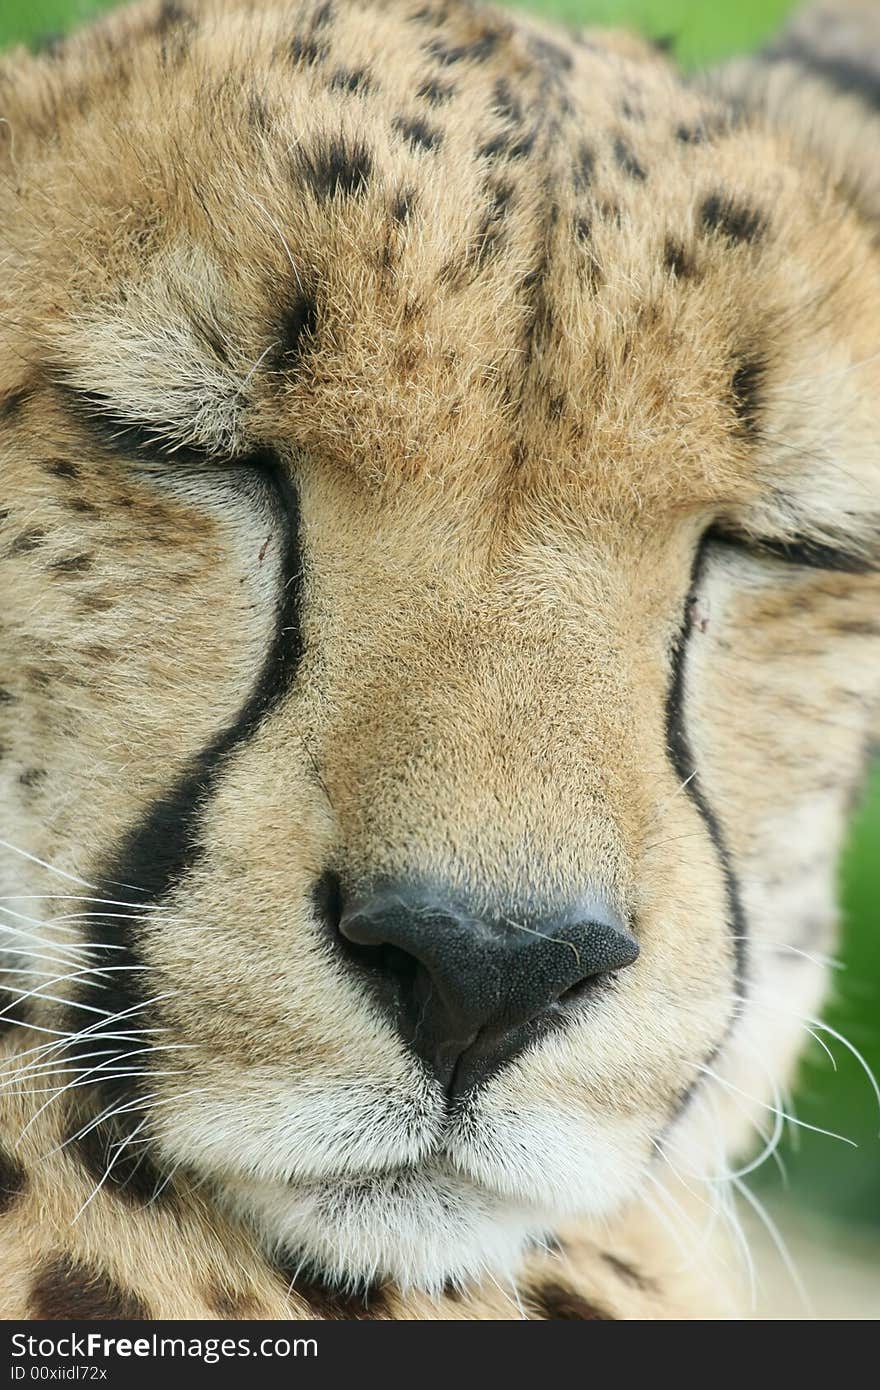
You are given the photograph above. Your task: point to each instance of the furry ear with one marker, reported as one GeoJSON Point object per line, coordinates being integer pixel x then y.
{"type": "Point", "coordinates": [820, 82]}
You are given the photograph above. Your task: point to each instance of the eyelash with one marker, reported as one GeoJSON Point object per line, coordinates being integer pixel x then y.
{"type": "Point", "coordinates": [800, 552]}
{"type": "Point", "coordinates": [146, 445]}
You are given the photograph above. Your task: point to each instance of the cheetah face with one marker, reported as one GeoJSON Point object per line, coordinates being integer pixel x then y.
{"type": "Point", "coordinates": [440, 515]}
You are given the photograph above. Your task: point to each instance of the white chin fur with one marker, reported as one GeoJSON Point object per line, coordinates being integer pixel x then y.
{"type": "Point", "coordinates": [363, 1186]}
{"type": "Point", "coordinates": [423, 1230]}
{"type": "Point", "coordinates": [434, 1224]}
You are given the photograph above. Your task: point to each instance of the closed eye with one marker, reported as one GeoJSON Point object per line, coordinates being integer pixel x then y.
{"type": "Point", "coordinates": [146, 442]}
{"type": "Point", "coordinates": [803, 551]}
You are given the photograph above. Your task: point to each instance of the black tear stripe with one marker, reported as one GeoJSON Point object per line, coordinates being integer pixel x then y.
{"type": "Point", "coordinates": [681, 756]}
{"type": "Point", "coordinates": [158, 852]}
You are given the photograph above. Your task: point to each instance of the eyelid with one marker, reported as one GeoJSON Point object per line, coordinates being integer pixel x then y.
{"type": "Point", "coordinates": [797, 550]}
{"type": "Point", "coordinates": [142, 441]}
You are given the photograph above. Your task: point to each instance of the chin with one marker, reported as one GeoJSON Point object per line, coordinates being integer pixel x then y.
{"type": "Point", "coordinates": [426, 1229]}
{"type": "Point", "coordinates": [411, 1194]}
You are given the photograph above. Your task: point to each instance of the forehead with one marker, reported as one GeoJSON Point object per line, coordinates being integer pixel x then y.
{"type": "Point", "coordinates": [417, 242]}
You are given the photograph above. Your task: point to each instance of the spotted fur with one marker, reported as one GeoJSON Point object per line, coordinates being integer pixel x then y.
{"type": "Point", "coordinates": [433, 446]}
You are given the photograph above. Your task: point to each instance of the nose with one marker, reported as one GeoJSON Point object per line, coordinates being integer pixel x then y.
{"type": "Point", "coordinates": [468, 990]}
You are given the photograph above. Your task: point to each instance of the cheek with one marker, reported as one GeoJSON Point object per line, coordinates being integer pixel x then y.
{"type": "Point", "coordinates": [111, 658]}
{"type": "Point", "coordinates": [634, 1054]}
{"type": "Point", "coordinates": [788, 683]}
{"type": "Point", "coordinates": [255, 982]}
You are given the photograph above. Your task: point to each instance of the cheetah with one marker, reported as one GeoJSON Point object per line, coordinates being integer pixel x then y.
{"type": "Point", "coordinates": [439, 545]}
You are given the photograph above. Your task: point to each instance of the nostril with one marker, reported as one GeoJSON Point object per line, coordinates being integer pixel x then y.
{"type": "Point", "coordinates": [381, 957]}
{"type": "Point", "coordinates": [391, 959]}
{"type": "Point", "coordinates": [455, 982]}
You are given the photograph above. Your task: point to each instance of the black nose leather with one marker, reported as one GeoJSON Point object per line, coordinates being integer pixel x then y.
{"type": "Point", "coordinates": [469, 991]}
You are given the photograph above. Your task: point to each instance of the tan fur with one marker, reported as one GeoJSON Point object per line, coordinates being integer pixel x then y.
{"type": "Point", "coordinates": [519, 404]}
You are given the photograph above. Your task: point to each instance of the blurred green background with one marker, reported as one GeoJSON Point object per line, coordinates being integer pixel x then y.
{"type": "Point", "coordinates": [824, 1175]}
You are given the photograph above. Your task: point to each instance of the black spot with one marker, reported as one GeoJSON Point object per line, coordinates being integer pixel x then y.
{"type": "Point", "coordinates": [508, 145]}
{"type": "Point", "coordinates": [631, 113]}
{"type": "Point", "coordinates": [15, 1015]}
{"type": "Point", "coordinates": [583, 168]}
{"type": "Point", "coordinates": [170, 15]}
{"type": "Point", "coordinates": [736, 221]}
{"type": "Point", "coordinates": [626, 1272]}
{"type": "Point", "coordinates": [490, 229]}
{"type": "Point", "coordinates": [861, 80]}
{"type": "Point", "coordinates": [505, 104]}
{"type": "Point", "coordinates": [13, 1180]}
{"type": "Point", "coordinates": [627, 161]}
{"type": "Point", "coordinates": [676, 259]}
{"type": "Point", "coordinates": [334, 167]}
{"type": "Point", "coordinates": [229, 1304]}
{"type": "Point", "coordinates": [94, 603]}
{"type": "Point", "coordinates": [351, 80]}
{"type": "Point", "coordinates": [436, 93]}
{"type": "Point", "coordinates": [6, 696]}
{"type": "Point", "coordinates": [71, 564]}
{"type": "Point", "coordinates": [13, 403]}
{"type": "Point", "coordinates": [66, 1291]}
{"type": "Point", "coordinates": [555, 1302]}
{"type": "Point", "coordinates": [61, 468]}
{"type": "Point", "coordinates": [583, 229]}
{"type": "Point", "coordinates": [403, 204]}
{"type": "Point", "coordinates": [32, 776]}
{"type": "Point", "coordinates": [419, 135]}
{"type": "Point", "coordinates": [550, 53]}
{"type": "Point", "coordinates": [711, 125]}
{"type": "Point", "coordinates": [501, 197]}
{"type": "Point", "coordinates": [258, 113]}
{"type": "Point", "coordinates": [174, 31]}
{"type": "Point", "coordinates": [82, 506]}
{"type": "Point", "coordinates": [553, 1245]}
{"type": "Point", "coordinates": [129, 1174]}
{"type": "Point", "coordinates": [323, 16]}
{"type": "Point", "coordinates": [325, 1300]}
{"type": "Point", "coordinates": [307, 51]}
{"type": "Point", "coordinates": [857, 627]}
{"type": "Point", "coordinates": [453, 1292]}
{"type": "Point", "coordinates": [477, 52]}
{"type": "Point", "coordinates": [746, 387]}
{"type": "Point", "coordinates": [28, 540]}
{"type": "Point", "coordinates": [296, 332]}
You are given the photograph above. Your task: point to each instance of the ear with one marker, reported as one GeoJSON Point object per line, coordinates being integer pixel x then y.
{"type": "Point", "coordinates": [819, 82]}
